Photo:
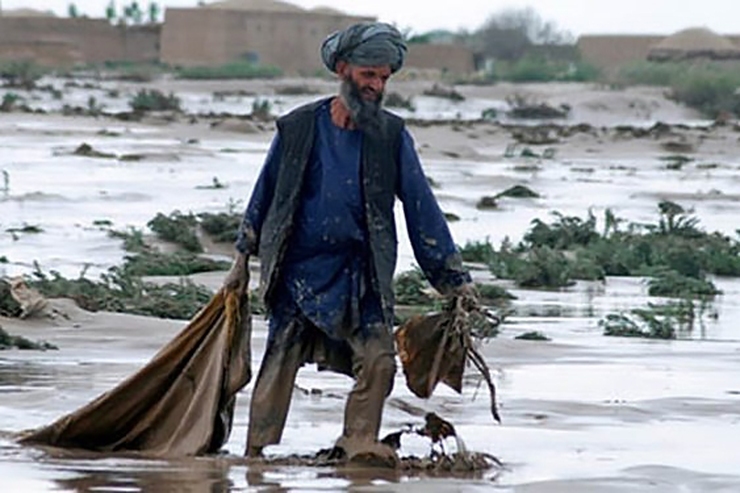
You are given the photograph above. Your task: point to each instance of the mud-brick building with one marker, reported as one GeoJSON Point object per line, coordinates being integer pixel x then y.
{"type": "Point", "coordinates": [611, 52]}
{"type": "Point", "coordinates": [275, 33]}
{"type": "Point", "coordinates": [446, 58]}
{"type": "Point", "coordinates": [268, 32]}
{"type": "Point", "coordinates": [56, 41]}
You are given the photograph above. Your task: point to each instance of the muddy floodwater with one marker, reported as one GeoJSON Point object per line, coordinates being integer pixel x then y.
{"type": "Point", "coordinates": [580, 413]}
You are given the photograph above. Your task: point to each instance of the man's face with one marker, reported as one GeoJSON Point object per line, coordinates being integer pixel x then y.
{"type": "Point", "coordinates": [369, 81]}
{"type": "Point", "coordinates": [362, 90]}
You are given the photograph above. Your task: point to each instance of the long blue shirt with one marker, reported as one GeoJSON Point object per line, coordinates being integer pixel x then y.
{"type": "Point", "coordinates": [325, 271]}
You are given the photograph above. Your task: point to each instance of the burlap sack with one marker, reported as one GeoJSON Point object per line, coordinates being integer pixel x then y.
{"type": "Point", "coordinates": [181, 403]}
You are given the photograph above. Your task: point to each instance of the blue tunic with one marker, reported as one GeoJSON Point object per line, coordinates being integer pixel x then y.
{"type": "Point", "coordinates": [325, 271]}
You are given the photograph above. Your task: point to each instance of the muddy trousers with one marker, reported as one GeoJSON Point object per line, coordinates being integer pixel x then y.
{"type": "Point", "coordinates": [372, 364]}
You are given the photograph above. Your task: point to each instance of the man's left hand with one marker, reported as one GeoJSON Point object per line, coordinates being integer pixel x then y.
{"type": "Point", "coordinates": [468, 296]}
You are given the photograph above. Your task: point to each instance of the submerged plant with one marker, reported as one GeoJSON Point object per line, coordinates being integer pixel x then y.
{"type": "Point", "coordinates": [8, 341]}
{"type": "Point", "coordinates": [177, 228]}
{"type": "Point", "coordinates": [411, 288]}
{"type": "Point", "coordinates": [532, 336]}
{"type": "Point", "coordinates": [653, 322]}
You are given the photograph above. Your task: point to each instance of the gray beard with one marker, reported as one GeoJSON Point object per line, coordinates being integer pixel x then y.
{"type": "Point", "coordinates": [365, 114]}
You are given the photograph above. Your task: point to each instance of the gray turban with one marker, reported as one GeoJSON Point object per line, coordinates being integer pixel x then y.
{"type": "Point", "coordinates": [367, 44]}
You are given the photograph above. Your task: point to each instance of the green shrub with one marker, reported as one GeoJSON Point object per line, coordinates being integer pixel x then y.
{"type": "Point", "coordinates": [261, 109]}
{"type": "Point", "coordinates": [154, 100]}
{"type": "Point", "coordinates": [409, 288]}
{"type": "Point", "coordinates": [10, 102]}
{"type": "Point", "coordinates": [653, 322]}
{"type": "Point", "coordinates": [177, 228]}
{"type": "Point", "coordinates": [234, 70]}
{"type": "Point", "coordinates": [672, 284]}
{"type": "Point", "coordinates": [532, 336]}
{"type": "Point", "coordinates": [544, 268]}
{"type": "Point", "coordinates": [133, 240]}
{"type": "Point", "coordinates": [518, 192]}
{"type": "Point", "coordinates": [8, 341]}
{"type": "Point", "coordinates": [9, 307]}
{"type": "Point", "coordinates": [566, 232]}
{"type": "Point", "coordinates": [490, 293]}
{"type": "Point", "coordinates": [708, 86]}
{"type": "Point", "coordinates": [477, 251]}
{"type": "Point", "coordinates": [20, 74]}
{"type": "Point", "coordinates": [176, 264]}
{"type": "Point", "coordinates": [539, 69]}
{"type": "Point", "coordinates": [222, 227]}
{"type": "Point", "coordinates": [710, 93]}
{"type": "Point", "coordinates": [117, 291]}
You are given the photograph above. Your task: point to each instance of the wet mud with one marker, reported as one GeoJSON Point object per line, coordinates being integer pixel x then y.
{"type": "Point", "coordinates": [580, 412]}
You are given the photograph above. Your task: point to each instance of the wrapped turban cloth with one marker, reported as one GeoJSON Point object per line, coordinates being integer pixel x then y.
{"type": "Point", "coordinates": [367, 44]}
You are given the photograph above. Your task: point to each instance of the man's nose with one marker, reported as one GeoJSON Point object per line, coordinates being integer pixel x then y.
{"type": "Point", "coordinates": [376, 84]}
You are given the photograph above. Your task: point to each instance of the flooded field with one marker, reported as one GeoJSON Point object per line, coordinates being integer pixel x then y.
{"type": "Point", "coordinates": [581, 412]}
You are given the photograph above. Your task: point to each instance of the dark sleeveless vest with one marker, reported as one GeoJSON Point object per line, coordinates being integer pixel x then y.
{"type": "Point", "coordinates": [379, 174]}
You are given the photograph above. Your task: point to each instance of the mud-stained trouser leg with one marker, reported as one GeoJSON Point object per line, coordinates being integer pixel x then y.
{"type": "Point", "coordinates": [374, 367]}
{"type": "Point", "coordinates": [273, 389]}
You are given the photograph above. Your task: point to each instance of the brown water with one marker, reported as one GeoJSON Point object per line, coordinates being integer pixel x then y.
{"type": "Point", "coordinates": [583, 413]}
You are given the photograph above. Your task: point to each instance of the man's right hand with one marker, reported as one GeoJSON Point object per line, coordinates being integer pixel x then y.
{"type": "Point", "coordinates": [238, 276]}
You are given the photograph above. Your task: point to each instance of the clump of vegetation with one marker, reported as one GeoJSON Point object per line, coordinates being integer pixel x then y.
{"type": "Point", "coordinates": [395, 100]}
{"type": "Point", "coordinates": [8, 341]}
{"type": "Point", "coordinates": [177, 228]}
{"type": "Point", "coordinates": [26, 229]}
{"type": "Point", "coordinates": [118, 291]}
{"type": "Point", "coordinates": [708, 86]}
{"type": "Point", "coordinates": [672, 284]}
{"type": "Point", "coordinates": [215, 185]}
{"type": "Point", "coordinates": [565, 233]}
{"type": "Point", "coordinates": [544, 267]}
{"type": "Point", "coordinates": [493, 294]}
{"type": "Point", "coordinates": [411, 288]}
{"type": "Point", "coordinates": [653, 322]}
{"type": "Point", "coordinates": [519, 192]}
{"type": "Point", "coordinates": [439, 91]}
{"type": "Point", "coordinates": [21, 74]}
{"type": "Point", "coordinates": [487, 203]}
{"type": "Point", "coordinates": [478, 251]}
{"type": "Point", "coordinates": [295, 90]}
{"type": "Point", "coordinates": [86, 150]}
{"type": "Point", "coordinates": [534, 68]}
{"type": "Point", "coordinates": [525, 107]}
{"type": "Point", "coordinates": [673, 251]}
{"type": "Point", "coordinates": [10, 102]}
{"type": "Point", "coordinates": [221, 227]}
{"type": "Point", "coordinates": [676, 162]}
{"type": "Point", "coordinates": [234, 70]}
{"type": "Point", "coordinates": [176, 264]}
{"type": "Point", "coordinates": [532, 336]}
{"type": "Point", "coordinates": [261, 109]}
{"type": "Point", "coordinates": [133, 240]}
{"type": "Point", "coordinates": [9, 307]}
{"type": "Point", "coordinates": [154, 100]}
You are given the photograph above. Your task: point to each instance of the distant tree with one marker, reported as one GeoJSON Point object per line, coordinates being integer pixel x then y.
{"type": "Point", "coordinates": [72, 11]}
{"type": "Point", "coordinates": [153, 12]}
{"type": "Point", "coordinates": [136, 13]}
{"type": "Point", "coordinates": [110, 11]}
{"type": "Point", "coordinates": [508, 34]}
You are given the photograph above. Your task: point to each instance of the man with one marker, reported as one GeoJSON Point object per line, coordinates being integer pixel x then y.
{"type": "Point", "coordinates": [321, 220]}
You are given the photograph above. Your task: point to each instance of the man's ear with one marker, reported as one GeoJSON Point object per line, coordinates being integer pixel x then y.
{"type": "Point", "coordinates": [342, 68]}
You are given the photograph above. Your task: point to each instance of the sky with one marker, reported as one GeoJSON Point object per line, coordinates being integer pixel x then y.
{"type": "Point", "coordinates": [576, 16]}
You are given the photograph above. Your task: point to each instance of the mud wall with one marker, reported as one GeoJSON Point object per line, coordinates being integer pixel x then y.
{"type": "Point", "coordinates": [454, 59]}
{"type": "Point", "coordinates": [208, 37]}
{"type": "Point", "coordinates": [62, 41]}
{"type": "Point", "coordinates": [613, 51]}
